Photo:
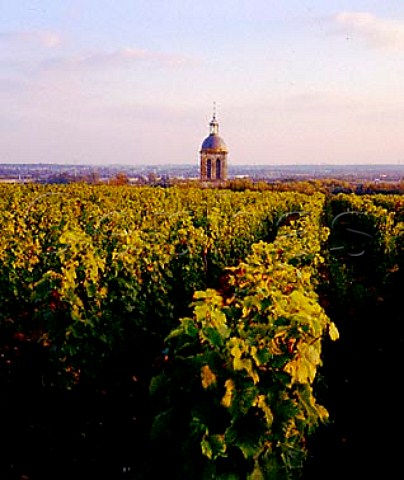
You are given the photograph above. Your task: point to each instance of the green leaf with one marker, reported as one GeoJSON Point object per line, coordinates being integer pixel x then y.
{"type": "Point", "coordinates": [261, 356]}
{"type": "Point", "coordinates": [257, 473]}
{"type": "Point", "coordinates": [212, 336]}
{"type": "Point", "coordinates": [157, 383]}
{"type": "Point", "coordinates": [213, 446]}
{"type": "Point", "coordinates": [189, 327]}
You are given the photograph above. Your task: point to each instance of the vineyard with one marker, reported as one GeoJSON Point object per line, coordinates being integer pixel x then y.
{"type": "Point", "coordinates": [199, 333]}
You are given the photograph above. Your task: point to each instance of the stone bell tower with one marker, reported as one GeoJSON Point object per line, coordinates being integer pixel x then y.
{"type": "Point", "coordinates": [213, 155]}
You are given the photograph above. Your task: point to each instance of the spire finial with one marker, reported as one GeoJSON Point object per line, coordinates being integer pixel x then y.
{"type": "Point", "coordinates": [214, 125]}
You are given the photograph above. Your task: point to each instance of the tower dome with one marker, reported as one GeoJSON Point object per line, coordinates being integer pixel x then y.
{"type": "Point", "coordinates": [214, 142]}
{"type": "Point", "coordinates": [213, 154]}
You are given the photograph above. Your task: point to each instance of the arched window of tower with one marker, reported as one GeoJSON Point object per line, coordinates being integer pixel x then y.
{"type": "Point", "coordinates": [218, 169]}
{"type": "Point", "coordinates": [209, 169]}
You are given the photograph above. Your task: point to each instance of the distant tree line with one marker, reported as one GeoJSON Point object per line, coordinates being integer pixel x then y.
{"type": "Point", "coordinates": [331, 185]}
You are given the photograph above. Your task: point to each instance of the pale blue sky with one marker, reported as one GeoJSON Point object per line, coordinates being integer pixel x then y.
{"type": "Point", "coordinates": [133, 82]}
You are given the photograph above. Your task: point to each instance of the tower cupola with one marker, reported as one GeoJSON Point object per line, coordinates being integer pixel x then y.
{"type": "Point", "coordinates": [213, 154]}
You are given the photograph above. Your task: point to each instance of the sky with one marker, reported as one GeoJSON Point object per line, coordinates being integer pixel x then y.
{"type": "Point", "coordinates": [133, 82]}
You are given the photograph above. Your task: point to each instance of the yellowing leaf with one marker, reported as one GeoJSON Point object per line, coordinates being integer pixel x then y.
{"type": "Point", "coordinates": [261, 403]}
{"type": "Point", "coordinates": [301, 370]}
{"type": "Point", "coordinates": [207, 376]}
{"type": "Point", "coordinates": [333, 331]}
{"type": "Point", "coordinates": [247, 365]}
{"type": "Point", "coordinates": [238, 347]}
{"type": "Point", "coordinates": [228, 396]}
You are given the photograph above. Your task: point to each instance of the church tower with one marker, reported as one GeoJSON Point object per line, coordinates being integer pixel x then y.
{"type": "Point", "coordinates": [213, 155]}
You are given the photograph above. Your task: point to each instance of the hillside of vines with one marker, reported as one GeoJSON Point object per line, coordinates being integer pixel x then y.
{"type": "Point", "coordinates": [199, 333]}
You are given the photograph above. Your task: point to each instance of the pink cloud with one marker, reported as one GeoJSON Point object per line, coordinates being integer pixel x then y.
{"type": "Point", "coordinates": [126, 57]}
{"type": "Point", "coordinates": [46, 38]}
{"type": "Point", "coordinates": [377, 32]}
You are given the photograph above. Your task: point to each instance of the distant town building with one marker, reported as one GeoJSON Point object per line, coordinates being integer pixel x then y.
{"type": "Point", "coordinates": [213, 155]}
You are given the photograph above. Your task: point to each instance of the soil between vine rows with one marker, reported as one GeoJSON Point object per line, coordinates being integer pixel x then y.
{"type": "Point", "coordinates": [361, 386]}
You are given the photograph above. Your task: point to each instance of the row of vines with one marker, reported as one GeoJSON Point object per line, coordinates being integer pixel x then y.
{"type": "Point", "coordinates": [175, 331]}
